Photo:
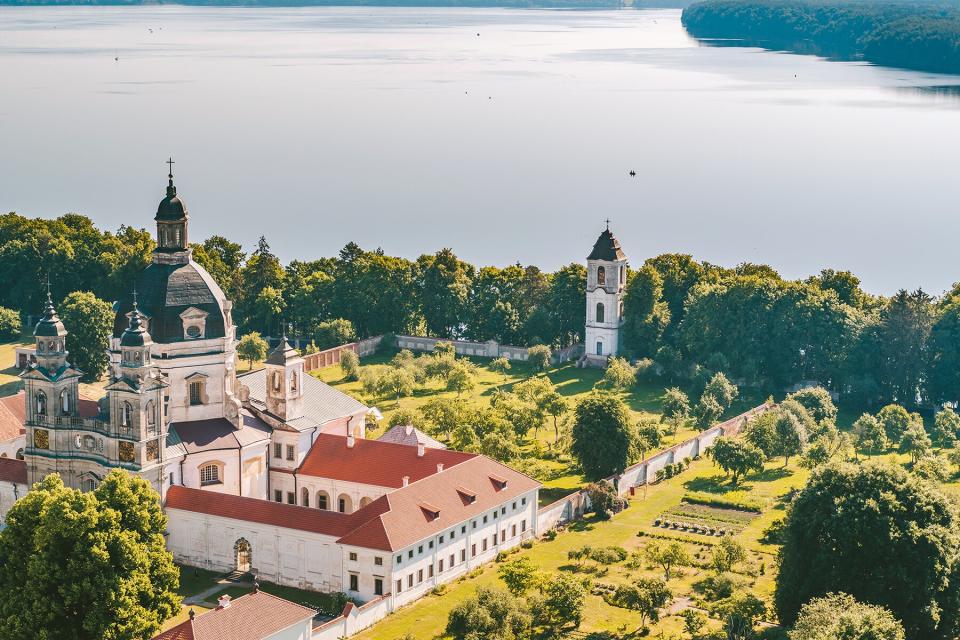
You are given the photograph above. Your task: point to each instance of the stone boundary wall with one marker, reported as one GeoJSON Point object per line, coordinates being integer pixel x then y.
{"type": "Point", "coordinates": [488, 349]}
{"type": "Point", "coordinates": [328, 357]}
{"type": "Point", "coordinates": [575, 505]}
{"type": "Point", "coordinates": [354, 619]}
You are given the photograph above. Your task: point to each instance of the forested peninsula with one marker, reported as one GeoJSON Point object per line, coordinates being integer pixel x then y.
{"type": "Point", "coordinates": [911, 35]}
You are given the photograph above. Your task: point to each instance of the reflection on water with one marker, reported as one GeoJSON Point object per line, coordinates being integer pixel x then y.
{"type": "Point", "coordinates": [508, 135]}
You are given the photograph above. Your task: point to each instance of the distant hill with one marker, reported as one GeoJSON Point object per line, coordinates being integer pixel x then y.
{"type": "Point", "coordinates": [915, 35]}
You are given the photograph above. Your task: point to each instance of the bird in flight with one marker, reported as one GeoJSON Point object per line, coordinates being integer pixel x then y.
{"type": "Point", "coordinates": [633, 174]}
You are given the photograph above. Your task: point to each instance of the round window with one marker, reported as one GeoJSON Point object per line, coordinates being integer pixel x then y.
{"type": "Point", "coordinates": [193, 331]}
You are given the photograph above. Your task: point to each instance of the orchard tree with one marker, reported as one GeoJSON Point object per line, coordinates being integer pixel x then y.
{"type": "Point", "coordinates": [489, 613]}
{"type": "Point", "coordinates": [838, 616]}
{"type": "Point", "coordinates": [333, 333]}
{"type": "Point", "coordinates": [879, 534]}
{"type": "Point", "coordinates": [817, 401]}
{"type": "Point", "coordinates": [667, 556]}
{"type": "Point", "coordinates": [462, 378]}
{"type": "Point", "coordinates": [649, 436]}
{"type": "Point", "coordinates": [252, 348]}
{"type": "Point", "coordinates": [721, 390]}
{"type": "Point", "coordinates": [403, 418]}
{"type": "Point", "coordinates": [946, 426]}
{"type": "Point", "coordinates": [895, 420]}
{"type": "Point", "coordinates": [740, 613]}
{"type": "Point", "coordinates": [870, 434]}
{"type": "Point", "coordinates": [727, 554]}
{"type": "Point", "coordinates": [791, 437]}
{"type": "Point", "coordinates": [563, 600]}
{"type": "Point", "coordinates": [500, 365]}
{"type": "Point", "coordinates": [619, 374]}
{"type": "Point", "coordinates": [539, 357]}
{"type": "Point", "coordinates": [89, 324]}
{"type": "Point", "coordinates": [604, 438]}
{"type": "Point", "coordinates": [933, 468]}
{"type": "Point", "coordinates": [736, 457]}
{"type": "Point", "coordinates": [693, 622]}
{"type": "Point", "coordinates": [86, 566]}
{"type": "Point", "coordinates": [676, 406]}
{"type": "Point", "coordinates": [707, 412]}
{"type": "Point", "coordinates": [519, 575]}
{"type": "Point", "coordinates": [647, 597]}
{"type": "Point", "coordinates": [915, 441]}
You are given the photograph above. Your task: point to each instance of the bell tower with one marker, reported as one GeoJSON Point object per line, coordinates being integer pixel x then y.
{"type": "Point", "coordinates": [173, 244]}
{"type": "Point", "coordinates": [285, 381]}
{"type": "Point", "coordinates": [138, 417]}
{"type": "Point", "coordinates": [606, 280]}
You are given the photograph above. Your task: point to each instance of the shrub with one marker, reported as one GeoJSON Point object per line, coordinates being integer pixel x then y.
{"type": "Point", "coordinates": [350, 364]}
{"type": "Point", "coordinates": [719, 586]}
{"type": "Point", "coordinates": [608, 555]}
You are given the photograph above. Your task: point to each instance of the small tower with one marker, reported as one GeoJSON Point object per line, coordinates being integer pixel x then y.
{"type": "Point", "coordinates": [606, 280]}
{"type": "Point", "coordinates": [51, 389]}
{"type": "Point", "coordinates": [138, 419]}
{"type": "Point", "coordinates": [173, 245]}
{"type": "Point", "coordinates": [285, 381]}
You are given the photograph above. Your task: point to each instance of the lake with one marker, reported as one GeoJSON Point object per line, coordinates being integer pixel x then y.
{"type": "Point", "coordinates": [507, 135]}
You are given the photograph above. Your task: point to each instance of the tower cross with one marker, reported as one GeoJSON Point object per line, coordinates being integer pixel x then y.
{"type": "Point", "coordinates": [608, 224]}
{"type": "Point", "coordinates": [170, 163]}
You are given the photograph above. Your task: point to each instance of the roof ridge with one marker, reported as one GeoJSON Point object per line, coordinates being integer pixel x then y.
{"type": "Point", "coordinates": [275, 597]}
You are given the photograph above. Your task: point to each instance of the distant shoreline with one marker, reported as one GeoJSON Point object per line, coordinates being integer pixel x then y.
{"type": "Point", "coordinates": [923, 36]}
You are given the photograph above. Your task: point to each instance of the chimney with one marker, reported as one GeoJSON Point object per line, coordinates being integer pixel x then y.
{"type": "Point", "coordinates": [408, 429]}
{"type": "Point", "coordinates": [420, 450]}
{"type": "Point", "coordinates": [406, 480]}
{"type": "Point", "coordinates": [439, 467]}
{"type": "Point", "coordinates": [350, 440]}
{"type": "Point", "coordinates": [223, 602]}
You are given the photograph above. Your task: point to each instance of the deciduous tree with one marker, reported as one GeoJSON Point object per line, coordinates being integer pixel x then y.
{"type": "Point", "coordinates": [604, 439]}
{"type": "Point", "coordinates": [89, 323]}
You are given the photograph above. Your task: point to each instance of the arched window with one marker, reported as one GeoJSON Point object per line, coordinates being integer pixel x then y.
{"type": "Point", "coordinates": [126, 414]}
{"type": "Point", "coordinates": [65, 402]}
{"type": "Point", "coordinates": [151, 418]}
{"type": "Point", "coordinates": [210, 474]}
{"type": "Point", "coordinates": [344, 504]}
{"type": "Point", "coordinates": [41, 403]}
{"type": "Point", "coordinates": [88, 484]}
{"type": "Point", "coordinates": [305, 497]}
{"type": "Point", "coordinates": [600, 311]}
{"type": "Point", "coordinates": [323, 501]}
{"type": "Point", "coordinates": [19, 454]}
{"type": "Point", "coordinates": [364, 501]}
{"type": "Point", "coordinates": [293, 381]}
{"type": "Point", "coordinates": [601, 276]}
{"type": "Point", "coordinates": [277, 380]}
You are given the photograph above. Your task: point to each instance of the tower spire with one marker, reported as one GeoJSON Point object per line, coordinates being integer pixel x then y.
{"type": "Point", "coordinates": [171, 190]}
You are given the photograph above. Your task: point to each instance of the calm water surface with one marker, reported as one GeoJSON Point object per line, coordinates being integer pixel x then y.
{"type": "Point", "coordinates": [507, 135]}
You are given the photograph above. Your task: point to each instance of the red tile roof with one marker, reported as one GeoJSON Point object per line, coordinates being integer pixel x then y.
{"type": "Point", "coordinates": [393, 521]}
{"type": "Point", "coordinates": [330, 523]}
{"type": "Point", "coordinates": [375, 462]}
{"type": "Point", "coordinates": [13, 414]}
{"type": "Point", "coordinates": [12, 417]}
{"type": "Point", "coordinates": [405, 521]}
{"type": "Point", "coordinates": [13, 470]}
{"type": "Point", "coordinates": [254, 616]}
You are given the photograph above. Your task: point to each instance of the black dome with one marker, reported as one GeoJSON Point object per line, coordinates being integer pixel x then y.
{"type": "Point", "coordinates": [164, 291]}
{"type": "Point", "coordinates": [171, 208]}
{"type": "Point", "coordinates": [50, 325]}
{"type": "Point", "coordinates": [135, 335]}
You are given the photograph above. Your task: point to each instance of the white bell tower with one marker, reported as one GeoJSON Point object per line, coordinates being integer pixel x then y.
{"type": "Point", "coordinates": [606, 280]}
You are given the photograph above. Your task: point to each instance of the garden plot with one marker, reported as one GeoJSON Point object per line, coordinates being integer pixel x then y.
{"type": "Point", "coordinates": [704, 520]}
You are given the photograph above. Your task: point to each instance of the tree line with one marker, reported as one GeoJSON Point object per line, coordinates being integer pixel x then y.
{"type": "Point", "coordinates": [684, 320]}
{"type": "Point", "coordinates": [913, 35]}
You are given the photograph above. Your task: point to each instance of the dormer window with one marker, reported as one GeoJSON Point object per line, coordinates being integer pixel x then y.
{"type": "Point", "coordinates": [194, 323]}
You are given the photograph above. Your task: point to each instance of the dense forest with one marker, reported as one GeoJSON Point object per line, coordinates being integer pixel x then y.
{"type": "Point", "coordinates": [685, 319]}
{"type": "Point", "coordinates": [913, 35]}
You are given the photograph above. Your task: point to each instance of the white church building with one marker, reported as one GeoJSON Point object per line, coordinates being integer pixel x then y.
{"type": "Point", "coordinates": [267, 472]}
